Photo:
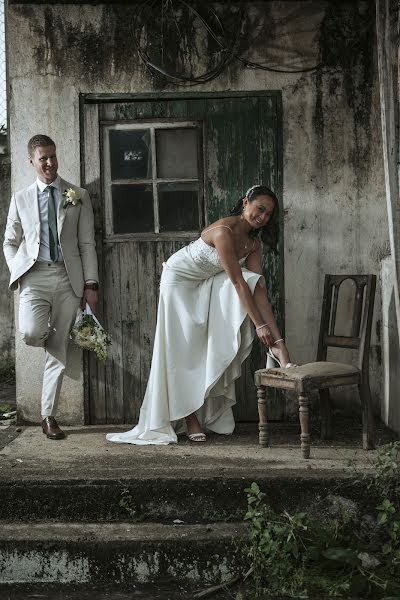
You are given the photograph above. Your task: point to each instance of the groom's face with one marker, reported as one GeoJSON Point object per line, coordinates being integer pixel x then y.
{"type": "Point", "coordinates": [44, 161]}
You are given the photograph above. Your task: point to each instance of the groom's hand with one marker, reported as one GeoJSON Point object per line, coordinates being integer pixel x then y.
{"type": "Point", "coordinates": [89, 297]}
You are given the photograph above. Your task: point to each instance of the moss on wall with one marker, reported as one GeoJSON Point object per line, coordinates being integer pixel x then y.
{"type": "Point", "coordinates": [347, 41]}
{"type": "Point", "coordinates": [6, 298]}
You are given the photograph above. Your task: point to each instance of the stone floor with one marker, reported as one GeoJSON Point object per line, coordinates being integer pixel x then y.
{"type": "Point", "coordinates": [22, 449]}
{"type": "Point", "coordinates": [85, 453]}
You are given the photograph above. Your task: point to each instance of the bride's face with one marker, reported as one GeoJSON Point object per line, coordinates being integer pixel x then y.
{"type": "Point", "coordinates": [258, 212]}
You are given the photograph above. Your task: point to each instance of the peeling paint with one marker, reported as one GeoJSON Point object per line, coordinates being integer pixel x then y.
{"type": "Point", "coordinates": [31, 566]}
{"type": "Point", "coordinates": [123, 563]}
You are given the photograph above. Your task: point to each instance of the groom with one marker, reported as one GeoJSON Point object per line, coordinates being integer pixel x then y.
{"type": "Point", "coordinates": [50, 250]}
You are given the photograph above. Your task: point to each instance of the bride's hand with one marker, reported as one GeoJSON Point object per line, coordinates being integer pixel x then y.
{"type": "Point", "coordinates": [264, 335]}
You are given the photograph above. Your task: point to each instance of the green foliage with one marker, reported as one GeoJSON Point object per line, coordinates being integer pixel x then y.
{"type": "Point", "coordinates": [303, 556]}
{"type": "Point", "coordinates": [389, 516]}
{"type": "Point", "coordinates": [386, 478]}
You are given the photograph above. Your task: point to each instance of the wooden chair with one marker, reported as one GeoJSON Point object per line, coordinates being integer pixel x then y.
{"type": "Point", "coordinates": [322, 375]}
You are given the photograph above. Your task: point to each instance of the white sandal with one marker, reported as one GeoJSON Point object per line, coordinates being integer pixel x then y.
{"type": "Point", "coordinates": [197, 437]}
{"type": "Point", "coordinates": [269, 353]}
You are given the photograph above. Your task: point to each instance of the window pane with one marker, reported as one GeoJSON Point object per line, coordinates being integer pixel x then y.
{"type": "Point", "coordinates": [132, 208]}
{"type": "Point", "coordinates": [178, 204]}
{"type": "Point", "coordinates": [177, 153]}
{"type": "Point", "coordinates": [130, 154]}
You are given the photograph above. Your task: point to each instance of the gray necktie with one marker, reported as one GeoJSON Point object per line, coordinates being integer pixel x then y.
{"type": "Point", "coordinates": [52, 218]}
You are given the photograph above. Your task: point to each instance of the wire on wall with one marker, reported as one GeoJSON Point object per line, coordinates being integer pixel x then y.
{"type": "Point", "coordinates": [229, 43]}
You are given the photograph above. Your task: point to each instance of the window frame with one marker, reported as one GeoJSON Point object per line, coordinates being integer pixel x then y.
{"type": "Point", "coordinates": [154, 181]}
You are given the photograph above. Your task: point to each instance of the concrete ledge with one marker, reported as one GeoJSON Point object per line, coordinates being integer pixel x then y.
{"type": "Point", "coordinates": [195, 500]}
{"type": "Point", "coordinates": [119, 553]}
{"type": "Point", "coordinates": [86, 478]}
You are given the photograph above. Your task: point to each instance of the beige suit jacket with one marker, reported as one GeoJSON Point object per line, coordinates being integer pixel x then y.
{"type": "Point", "coordinates": [75, 231]}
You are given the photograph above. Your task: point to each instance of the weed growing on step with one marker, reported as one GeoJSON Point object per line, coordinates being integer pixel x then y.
{"type": "Point", "coordinates": [386, 478]}
{"type": "Point", "coordinates": [218, 516]}
{"type": "Point", "coordinates": [127, 503]}
{"type": "Point", "coordinates": [344, 553]}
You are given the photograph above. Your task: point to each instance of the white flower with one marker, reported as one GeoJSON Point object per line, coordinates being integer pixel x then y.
{"type": "Point", "coordinates": [87, 334]}
{"type": "Point", "coordinates": [71, 197]}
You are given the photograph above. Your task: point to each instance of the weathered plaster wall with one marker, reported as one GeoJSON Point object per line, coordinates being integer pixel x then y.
{"type": "Point", "coordinates": [388, 47]}
{"type": "Point", "coordinates": [335, 215]}
{"type": "Point", "coordinates": [7, 338]}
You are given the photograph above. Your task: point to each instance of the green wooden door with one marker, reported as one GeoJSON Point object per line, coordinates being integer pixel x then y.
{"type": "Point", "coordinates": [241, 146]}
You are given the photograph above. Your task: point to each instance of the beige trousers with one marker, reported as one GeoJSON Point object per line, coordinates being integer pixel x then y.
{"type": "Point", "coordinates": [47, 309]}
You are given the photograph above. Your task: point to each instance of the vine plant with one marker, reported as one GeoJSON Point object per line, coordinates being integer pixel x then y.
{"type": "Point", "coordinates": [336, 556]}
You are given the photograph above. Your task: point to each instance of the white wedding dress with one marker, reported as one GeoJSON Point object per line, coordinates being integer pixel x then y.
{"type": "Point", "coordinates": [202, 337]}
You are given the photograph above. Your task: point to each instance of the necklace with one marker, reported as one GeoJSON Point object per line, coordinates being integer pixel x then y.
{"type": "Point", "coordinates": [246, 241]}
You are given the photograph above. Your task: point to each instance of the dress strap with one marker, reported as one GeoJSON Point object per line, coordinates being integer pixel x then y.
{"type": "Point", "coordinates": [216, 227]}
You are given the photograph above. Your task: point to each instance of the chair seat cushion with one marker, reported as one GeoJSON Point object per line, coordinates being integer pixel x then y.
{"type": "Point", "coordinates": [314, 370]}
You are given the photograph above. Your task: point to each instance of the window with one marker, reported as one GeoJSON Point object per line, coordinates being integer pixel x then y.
{"type": "Point", "coordinates": [152, 178]}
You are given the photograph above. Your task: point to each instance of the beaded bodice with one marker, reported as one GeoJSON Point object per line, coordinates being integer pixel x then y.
{"type": "Point", "coordinates": [207, 256]}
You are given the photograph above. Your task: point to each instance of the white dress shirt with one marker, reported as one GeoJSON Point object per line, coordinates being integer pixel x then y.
{"type": "Point", "coordinates": [43, 199]}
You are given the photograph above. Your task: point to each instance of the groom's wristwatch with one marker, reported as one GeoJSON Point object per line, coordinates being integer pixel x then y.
{"type": "Point", "coordinates": [92, 286]}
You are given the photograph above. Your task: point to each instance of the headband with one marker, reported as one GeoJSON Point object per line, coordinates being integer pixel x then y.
{"type": "Point", "coordinates": [253, 187]}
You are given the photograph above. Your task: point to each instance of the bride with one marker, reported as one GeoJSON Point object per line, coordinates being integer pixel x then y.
{"type": "Point", "coordinates": [211, 292]}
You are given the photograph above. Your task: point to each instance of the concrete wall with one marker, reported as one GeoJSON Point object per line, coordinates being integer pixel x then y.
{"type": "Point", "coordinates": [388, 47]}
{"type": "Point", "coordinates": [7, 338]}
{"type": "Point", "coordinates": [335, 213]}
{"type": "Point", "coordinates": [391, 349]}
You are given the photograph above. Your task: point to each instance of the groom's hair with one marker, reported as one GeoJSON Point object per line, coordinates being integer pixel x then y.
{"type": "Point", "coordinates": [37, 141]}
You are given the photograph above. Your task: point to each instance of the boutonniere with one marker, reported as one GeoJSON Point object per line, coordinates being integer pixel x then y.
{"type": "Point", "coordinates": [71, 197]}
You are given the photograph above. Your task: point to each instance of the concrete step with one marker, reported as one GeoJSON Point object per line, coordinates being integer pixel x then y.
{"type": "Point", "coordinates": [195, 500]}
{"type": "Point", "coordinates": [87, 512]}
{"type": "Point", "coordinates": [119, 553]}
{"type": "Point", "coordinates": [135, 591]}
{"type": "Point", "coordinates": [86, 478]}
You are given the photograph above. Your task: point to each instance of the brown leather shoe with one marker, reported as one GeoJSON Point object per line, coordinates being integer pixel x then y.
{"type": "Point", "coordinates": [51, 429]}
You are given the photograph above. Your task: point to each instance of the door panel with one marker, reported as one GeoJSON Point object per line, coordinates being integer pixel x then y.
{"type": "Point", "coordinates": [241, 147]}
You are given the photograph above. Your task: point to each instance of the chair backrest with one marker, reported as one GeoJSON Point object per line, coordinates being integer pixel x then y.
{"type": "Point", "coordinates": [361, 322]}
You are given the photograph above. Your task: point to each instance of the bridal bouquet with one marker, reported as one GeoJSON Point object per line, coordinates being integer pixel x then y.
{"type": "Point", "coordinates": [87, 333]}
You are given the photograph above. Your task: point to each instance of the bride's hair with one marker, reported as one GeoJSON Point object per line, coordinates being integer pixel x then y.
{"type": "Point", "coordinates": [270, 231]}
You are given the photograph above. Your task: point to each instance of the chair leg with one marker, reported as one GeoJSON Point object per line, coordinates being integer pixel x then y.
{"type": "Point", "coordinates": [367, 416]}
{"type": "Point", "coordinates": [304, 416]}
{"type": "Point", "coordinates": [326, 414]}
{"type": "Point", "coordinates": [263, 438]}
